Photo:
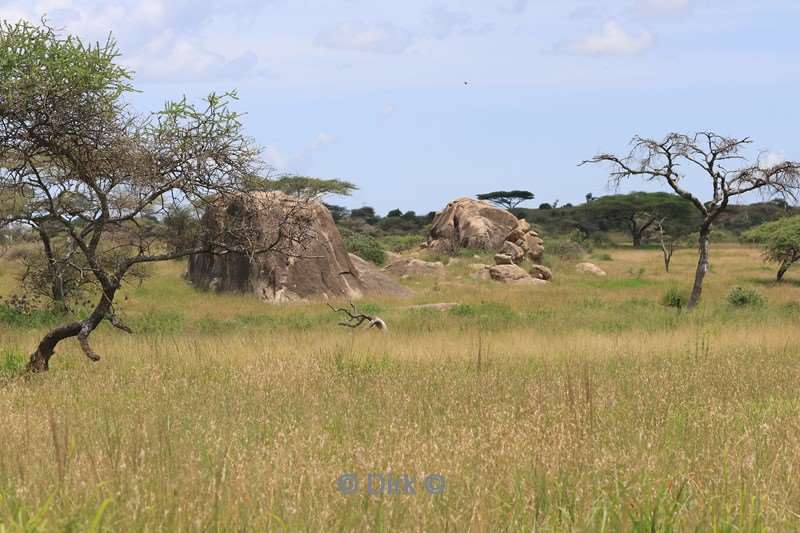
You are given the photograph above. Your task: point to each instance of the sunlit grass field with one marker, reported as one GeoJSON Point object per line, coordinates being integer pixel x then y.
{"type": "Point", "coordinates": [585, 405]}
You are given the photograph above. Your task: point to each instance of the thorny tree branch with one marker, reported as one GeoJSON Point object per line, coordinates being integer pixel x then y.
{"type": "Point", "coordinates": [356, 319]}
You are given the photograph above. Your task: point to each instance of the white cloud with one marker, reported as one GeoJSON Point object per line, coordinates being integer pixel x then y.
{"type": "Point", "coordinates": [323, 139]}
{"type": "Point", "coordinates": [442, 22]}
{"type": "Point", "coordinates": [662, 7]}
{"type": "Point", "coordinates": [300, 161]}
{"type": "Point", "coordinates": [383, 37]}
{"type": "Point", "coordinates": [517, 7]}
{"type": "Point", "coordinates": [276, 158]}
{"type": "Point", "coordinates": [162, 40]}
{"type": "Point", "coordinates": [586, 12]}
{"type": "Point", "coordinates": [611, 39]}
{"type": "Point", "coordinates": [169, 57]}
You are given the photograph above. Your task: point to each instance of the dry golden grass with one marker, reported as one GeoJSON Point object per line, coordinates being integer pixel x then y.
{"type": "Point", "coordinates": [584, 405]}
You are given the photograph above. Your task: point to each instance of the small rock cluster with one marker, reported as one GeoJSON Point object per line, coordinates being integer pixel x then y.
{"type": "Point", "coordinates": [520, 244]}
{"type": "Point", "coordinates": [514, 274]}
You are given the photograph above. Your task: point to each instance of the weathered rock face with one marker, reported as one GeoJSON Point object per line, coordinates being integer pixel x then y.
{"type": "Point", "coordinates": [375, 281]}
{"type": "Point", "coordinates": [415, 267]}
{"type": "Point", "coordinates": [517, 253]}
{"type": "Point", "coordinates": [590, 268]}
{"type": "Point", "coordinates": [503, 259]}
{"type": "Point", "coordinates": [323, 270]}
{"type": "Point", "coordinates": [468, 223]}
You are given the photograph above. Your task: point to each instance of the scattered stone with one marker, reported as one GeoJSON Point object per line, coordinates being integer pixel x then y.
{"type": "Point", "coordinates": [590, 268]}
{"type": "Point", "coordinates": [512, 274]}
{"type": "Point", "coordinates": [541, 272]}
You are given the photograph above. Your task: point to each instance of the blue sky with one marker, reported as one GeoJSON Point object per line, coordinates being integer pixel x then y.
{"type": "Point", "coordinates": [373, 92]}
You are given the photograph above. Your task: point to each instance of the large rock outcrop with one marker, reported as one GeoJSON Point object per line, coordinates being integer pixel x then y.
{"type": "Point", "coordinates": [469, 223]}
{"type": "Point", "coordinates": [321, 270]}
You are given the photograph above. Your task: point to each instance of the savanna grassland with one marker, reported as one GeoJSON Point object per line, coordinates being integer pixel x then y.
{"type": "Point", "coordinates": [585, 405]}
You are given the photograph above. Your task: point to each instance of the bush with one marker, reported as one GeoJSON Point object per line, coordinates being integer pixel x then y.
{"type": "Point", "coordinates": [601, 239]}
{"type": "Point", "coordinates": [402, 243]}
{"type": "Point", "coordinates": [742, 296]}
{"type": "Point", "coordinates": [12, 362]}
{"type": "Point", "coordinates": [579, 237]}
{"type": "Point", "coordinates": [566, 250]}
{"type": "Point", "coordinates": [366, 247]}
{"type": "Point", "coordinates": [674, 297]}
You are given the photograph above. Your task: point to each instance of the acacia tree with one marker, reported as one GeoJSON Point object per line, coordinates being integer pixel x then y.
{"type": "Point", "coordinates": [781, 241]}
{"type": "Point", "coordinates": [507, 199]}
{"type": "Point", "coordinates": [80, 160]}
{"type": "Point", "coordinates": [638, 212]}
{"type": "Point", "coordinates": [308, 187]}
{"type": "Point", "coordinates": [713, 156]}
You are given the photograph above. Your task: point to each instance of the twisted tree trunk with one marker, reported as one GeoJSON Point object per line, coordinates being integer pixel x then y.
{"type": "Point", "coordinates": [782, 270]}
{"type": "Point", "coordinates": [40, 359]}
{"type": "Point", "coordinates": [702, 266]}
{"type": "Point", "coordinates": [55, 273]}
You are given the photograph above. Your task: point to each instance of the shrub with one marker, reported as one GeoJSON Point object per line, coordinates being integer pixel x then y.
{"type": "Point", "coordinates": [742, 296]}
{"type": "Point", "coordinates": [366, 247]}
{"type": "Point", "coordinates": [402, 243]}
{"type": "Point", "coordinates": [566, 250]}
{"type": "Point", "coordinates": [674, 297]}
{"type": "Point", "coordinates": [12, 362]}
{"type": "Point", "coordinates": [601, 239]}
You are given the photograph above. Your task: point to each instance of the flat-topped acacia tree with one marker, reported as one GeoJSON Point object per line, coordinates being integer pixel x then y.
{"type": "Point", "coordinates": [73, 156]}
{"type": "Point", "coordinates": [507, 199]}
{"type": "Point", "coordinates": [718, 160]}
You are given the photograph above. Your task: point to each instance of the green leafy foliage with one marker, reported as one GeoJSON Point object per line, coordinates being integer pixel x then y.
{"type": "Point", "coordinates": [507, 199]}
{"type": "Point", "coordinates": [366, 247]}
{"type": "Point", "coordinates": [12, 362]}
{"type": "Point", "coordinates": [743, 296]}
{"type": "Point", "coordinates": [675, 297]}
{"type": "Point", "coordinates": [306, 186]}
{"type": "Point", "coordinates": [781, 241]}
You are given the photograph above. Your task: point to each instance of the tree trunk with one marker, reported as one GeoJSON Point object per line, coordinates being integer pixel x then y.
{"type": "Point", "coordinates": [40, 359]}
{"type": "Point", "coordinates": [637, 238]}
{"type": "Point", "coordinates": [702, 266]}
{"type": "Point", "coordinates": [667, 257]}
{"type": "Point", "coordinates": [782, 270]}
{"type": "Point", "coordinates": [54, 273]}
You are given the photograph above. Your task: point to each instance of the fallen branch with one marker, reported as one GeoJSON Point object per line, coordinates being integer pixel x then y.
{"type": "Point", "coordinates": [356, 319]}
